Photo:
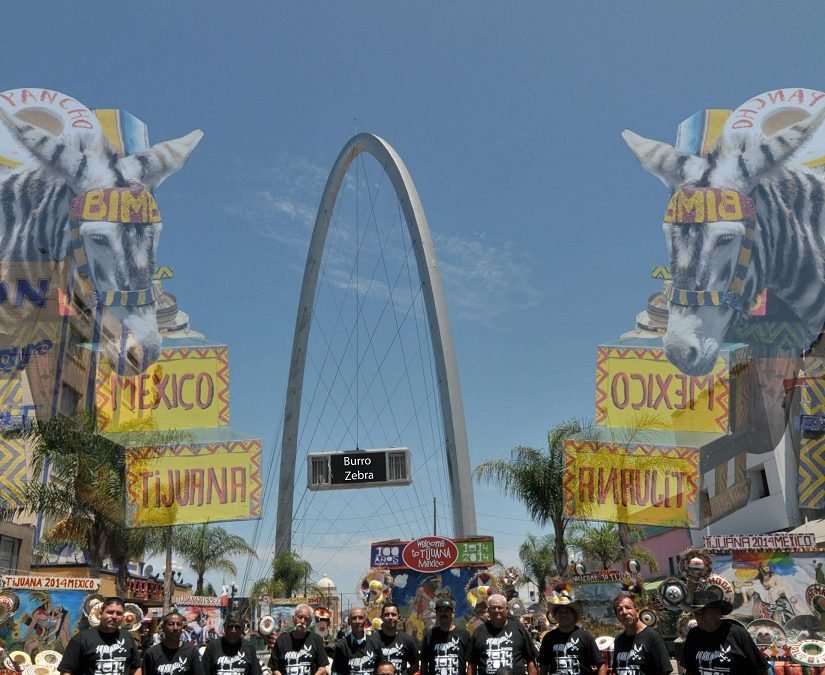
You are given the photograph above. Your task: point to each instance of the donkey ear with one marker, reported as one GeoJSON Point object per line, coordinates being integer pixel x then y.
{"type": "Point", "coordinates": [151, 167]}
{"type": "Point", "coordinates": [669, 165]}
{"type": "Point", "coordinates": [755, 157]}
{"type": "Point", "coordinates": [62, 159]}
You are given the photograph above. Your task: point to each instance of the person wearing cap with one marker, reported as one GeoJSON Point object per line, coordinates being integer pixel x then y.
{"type": "Point", "coordinates": [396, 645]}
{"type": "Point", "coordinates": [231, 654]}
{"type": "Point", "coordinates": [639, 649]}
{"type": "Point", "coordinates": [446, 648]}
{"type": "Point", "coordinates": [716, 645]}
{"type": "Point", "coordinates": [501, 642]}
{"type": "Point", "coordinates": [568, 649]}
{"type": "Point", "coordinates": [300, 651]}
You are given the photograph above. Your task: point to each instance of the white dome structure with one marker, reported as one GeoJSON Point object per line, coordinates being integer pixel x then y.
{"type": "Point", "coordinates": [326, 585]}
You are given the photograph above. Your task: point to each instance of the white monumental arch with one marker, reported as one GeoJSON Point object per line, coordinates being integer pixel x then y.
{"type": "Point", "coordinates": [452, 408]}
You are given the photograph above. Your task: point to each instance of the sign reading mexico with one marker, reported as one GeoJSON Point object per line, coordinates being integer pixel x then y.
{"type": "Point", "coordinates": [193, 483]}
{"type": "Point", "coordinates": [187, 388]}
{"type": "Point", "coordinates": [641, 484]}
{"type": "Point", "coordinates": [637, 387]}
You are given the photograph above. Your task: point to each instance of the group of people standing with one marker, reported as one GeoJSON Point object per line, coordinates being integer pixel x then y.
{"type": "Point", "coordinates": [108, 649]}
{"type": "Point", "coordinates": [499, 646]}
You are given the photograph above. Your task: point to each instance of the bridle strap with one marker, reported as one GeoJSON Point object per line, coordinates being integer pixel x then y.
{"type": "Point", "coordinates": [130, 205]}
{"type": "Point", "coordinates": [691, 205]}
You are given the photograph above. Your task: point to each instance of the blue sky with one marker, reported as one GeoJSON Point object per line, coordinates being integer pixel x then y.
{"type": "Point", "coordinates": [508, 117]}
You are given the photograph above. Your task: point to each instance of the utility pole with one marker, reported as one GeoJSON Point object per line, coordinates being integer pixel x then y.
{"type": "Point", "coordinates": [168, 574]}
{"type": "Point", "coordinates": [434, 532]}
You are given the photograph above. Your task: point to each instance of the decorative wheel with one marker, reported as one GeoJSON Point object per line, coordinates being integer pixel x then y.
{"type": "Point", "coordinates": [809, 652]}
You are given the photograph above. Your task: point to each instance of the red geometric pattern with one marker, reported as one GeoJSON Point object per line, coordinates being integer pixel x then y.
{"type": "Point", "coordinates": [252, 447]}
{"type": "Point", "coordinates": [103, 397]}
{"type": "Point", "coordinates": [721, 388]}
{"type": "Point", "coordinates": [572, 448]}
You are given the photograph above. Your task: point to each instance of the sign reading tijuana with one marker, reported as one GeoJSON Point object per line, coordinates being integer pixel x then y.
{"type": "Point", "coordinates": [430, 554]}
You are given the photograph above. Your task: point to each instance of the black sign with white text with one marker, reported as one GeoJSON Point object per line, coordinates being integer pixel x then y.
{"type": "Point", "coordinates": [358, 467]}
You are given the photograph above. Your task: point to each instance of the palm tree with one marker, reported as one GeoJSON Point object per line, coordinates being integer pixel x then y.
{"type": "Point", "coordinates": [537, 558]}
{"type": "Point", "coordinates": [84, 497]}
{"type": "Point", "coordinates": [289, 572]}
{"type": "Point", "coordinates": [604, 544]}
{"type": "Point", "coordinates": [205, 547]}
{"type": "Point", "coordinates": [536, 477]}
{"type": "Point", "coordinates": [83, 501]}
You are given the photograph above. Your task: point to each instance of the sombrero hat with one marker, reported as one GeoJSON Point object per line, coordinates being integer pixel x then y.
{"type": "Point", "coordinates": [563, 597]}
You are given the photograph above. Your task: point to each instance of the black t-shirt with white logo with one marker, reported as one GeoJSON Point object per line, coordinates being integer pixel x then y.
{"type": "Point", "coordinates": [642, 654]}
{"type": "Point", "coordinates": [161, 660]}
{"type": "Point", "coordinates": [726, 651]}
{"type": "Point", "coordinates": [223, 658]}
{"type": "Point", "coordinates": [446, 653]}
{"type": "Point", "coordinates": [400, 650]}
{"type": "Point", "coordinates": [93, 652]}
{"type": "Point", "coordinates": [354, 658]}
{"type": "Point", "coordinates": [574, 653]}
{"type": "Point", "coordinates": [294, 656]}
{"type": "Point", "coordinates": [507, 647]}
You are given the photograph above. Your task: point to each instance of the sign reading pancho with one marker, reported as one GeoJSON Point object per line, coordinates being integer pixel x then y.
{"type": "Point", "coordinates": [186, 388]}
{"type": "Point", "coordinates": [641, 484]}
{"type": "Point", "coordinates": [193, 483]}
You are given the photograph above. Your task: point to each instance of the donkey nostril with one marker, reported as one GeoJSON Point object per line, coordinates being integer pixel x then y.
{"type": "Point", "coordinates": [691, 354]}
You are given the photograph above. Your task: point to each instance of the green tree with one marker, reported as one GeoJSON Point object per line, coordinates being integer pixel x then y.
{"type": "Point", "coordinates": [83, 501]}
{"type": "Point", "coordinates": [537, 555]}
{"type": "Point", "coordinates": [289, 572]}
{"type": "Point", "coordinates": [206, 547]}
{"type": "Point", "coordinates": [604, 544]}
{"type": "Point", "coordinates": [536, 478]}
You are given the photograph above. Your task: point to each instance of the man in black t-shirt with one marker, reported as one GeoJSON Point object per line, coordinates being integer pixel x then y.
{"type": "Point", "coordinates": [105, 650]}
{"type": "Point", "coordinates": [171, 656]}
{"type": "Point", "coordinates": [501, 642]}
{"type": "Point", "coordinates": [446, 649]}
{"type": "Point", "coordinates": [717, 647]}
{"type": "Point", "coordinates": [639, 650]}
{"type": "Point", "coordinates": [301, 651]}
{"type": "Point", "coordinates": [569, 649]}
{"type": "Point", "coordinates": [230, 654]}
{"type": "Point", "coordinates": [356, 653]}
{"type": "Point", "coordinates": [396, 646]}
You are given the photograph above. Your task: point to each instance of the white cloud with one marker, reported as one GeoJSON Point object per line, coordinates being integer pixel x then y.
{"type": "Point", "coordinates": [485, 277]}
{"type": "Point", "coordinates": [400, 580]}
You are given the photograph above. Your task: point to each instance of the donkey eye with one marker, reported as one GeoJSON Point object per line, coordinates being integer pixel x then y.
{"type": "Point", "coordinates": [100, 239]}
{"type": "Point", "coordinates": [724, 239]}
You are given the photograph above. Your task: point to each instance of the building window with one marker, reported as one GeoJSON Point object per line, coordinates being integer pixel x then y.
{"type": "Point", "coordinates": [759, 483]}
{"type": "Point", "coordinates": [69, 401]}
{"type": "Point", "coordinates": [9, 552]}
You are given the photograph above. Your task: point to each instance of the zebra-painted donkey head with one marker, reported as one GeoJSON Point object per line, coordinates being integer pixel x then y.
{"type": "Point", "coordinates": [719, 259]}
{"type": "Point", "coordinates": [113, 217]}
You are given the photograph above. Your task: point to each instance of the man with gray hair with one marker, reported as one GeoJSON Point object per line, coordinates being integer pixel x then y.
{"type": "Point", "coordinates": [501, 642]}
{"type": "Point", "coordinates": [300, 652]}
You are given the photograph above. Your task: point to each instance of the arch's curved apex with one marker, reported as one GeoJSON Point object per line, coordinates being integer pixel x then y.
{"type": "Point", "coordinates": [449, 388]}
